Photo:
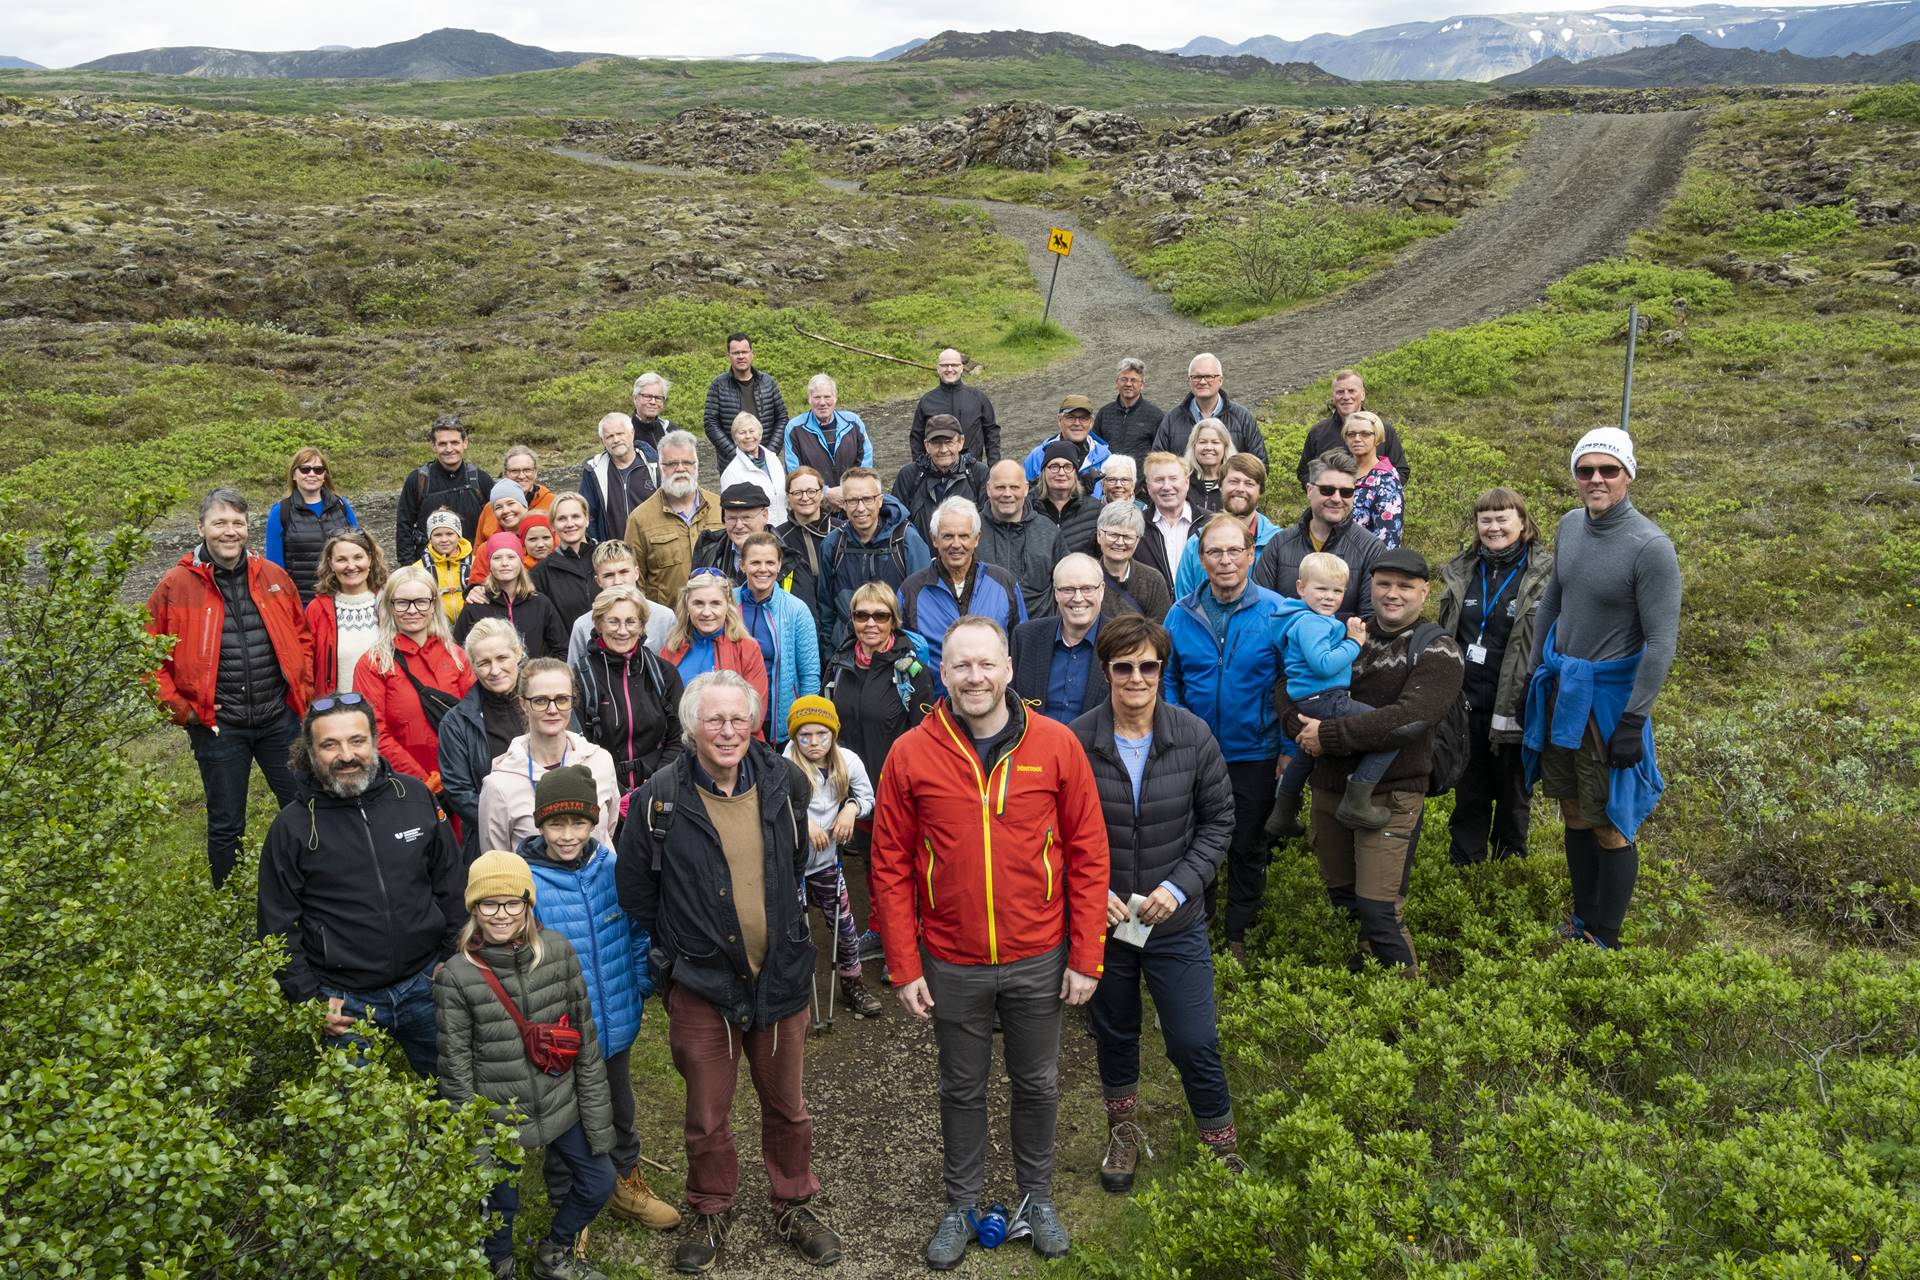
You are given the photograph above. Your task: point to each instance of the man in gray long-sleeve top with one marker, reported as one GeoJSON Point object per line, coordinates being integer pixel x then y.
{"type": "Point", "coordinates": [1605, 638]}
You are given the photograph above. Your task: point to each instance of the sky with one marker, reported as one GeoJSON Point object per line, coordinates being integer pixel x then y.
{"type": "Point", "coordinates": [59, 33]}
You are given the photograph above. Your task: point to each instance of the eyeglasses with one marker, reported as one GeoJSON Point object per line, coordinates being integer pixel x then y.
{"type": "Point", "coordinates": [1147, 670]}
{"type": "Point", "coordinates": [500, 906]}
{"type": "Point", "coordinates": [311, 469]}
{"type": "Point", "coordinates": [549, 701]}
{"type": "Point", "coordinates": [321, 705]}
{"type": "Point", "coordinates": [1224, 553]}
{"type": "Point", "coordinates": [1077, 592]}
{"type": "Point", "coordinates": [810, 491]}
{"type": "Point", "coordinates": [1203, 377]}
{"type": "Point", "coordinates": [861, 502]}
{"type": "Point", "coordinates": [718, 724]}
{"type": "Point", "coordinates": [1606, 471]}
{"type": "Point", "coordinates": [1124, 539]}
{"type": "Point", "coordinates": [651, 396]}
{"type": "Point", "coordinates": [872, 615]}
{"type": "Point", "coordinates": [679, 464]}
{"type": "Point", "coordinates": [412, 605]}
{"type": "Point", "coordinates": [1333, 490]}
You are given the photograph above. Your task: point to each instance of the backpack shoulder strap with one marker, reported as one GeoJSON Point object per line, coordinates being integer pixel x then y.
{"type": "Point", "coordinates": [1423, 635]}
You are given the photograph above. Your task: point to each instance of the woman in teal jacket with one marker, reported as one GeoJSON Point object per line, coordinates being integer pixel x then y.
{"type": "Point", "coordinates": [785, 630]}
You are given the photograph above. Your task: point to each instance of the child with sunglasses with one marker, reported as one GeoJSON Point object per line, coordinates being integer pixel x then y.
{"type": "Point", "coordinates": [516, 1028]}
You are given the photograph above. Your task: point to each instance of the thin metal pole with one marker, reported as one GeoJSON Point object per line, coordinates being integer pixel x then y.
{"type": "Point", "coordinates": [1050, 282]}
{"type": "Point", "coordinates": [1626, 391]}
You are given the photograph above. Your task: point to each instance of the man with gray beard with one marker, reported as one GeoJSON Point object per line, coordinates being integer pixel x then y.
{"type": "Point", "coordinates": [663, 529]}
{"type": "Point", "coordinates": [362, 878]}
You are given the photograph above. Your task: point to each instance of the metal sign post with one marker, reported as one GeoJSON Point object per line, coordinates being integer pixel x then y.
{"type": "Point", "coordinates": [1059, 244]}
{"type": "Point", "coordinates": [1626, 390]}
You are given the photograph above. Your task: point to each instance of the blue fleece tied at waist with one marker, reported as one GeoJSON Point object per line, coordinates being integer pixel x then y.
{"type": "Point", "coordinates": [1562, 696]}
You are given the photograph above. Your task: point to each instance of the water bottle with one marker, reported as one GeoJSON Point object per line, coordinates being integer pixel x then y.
{"type": "Point", "coordinates": [989, 1228]}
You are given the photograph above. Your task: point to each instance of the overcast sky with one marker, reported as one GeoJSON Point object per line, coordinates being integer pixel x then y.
{"type": "Point", "coordinates": [59, 33]}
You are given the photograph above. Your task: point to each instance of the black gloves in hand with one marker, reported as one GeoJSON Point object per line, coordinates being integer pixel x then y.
{"type": "Point", "coordinates": [1625, 748]}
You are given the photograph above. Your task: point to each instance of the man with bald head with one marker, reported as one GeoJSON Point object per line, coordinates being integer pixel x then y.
{"type": "Point", "coordinates": [966, 404]}
{"type": "Point", "coordinates": [1053, 658]}
{"type": "Point", "coordinates": [1207, 398]}
{"type": "Point", "coordinates": [1013, 537]}
{"type": "Point", "coordinates": [618, 479]}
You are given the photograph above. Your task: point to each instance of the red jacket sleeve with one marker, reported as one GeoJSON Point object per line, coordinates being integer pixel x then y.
{"type": "Point", "coordinates": [890, 870]}
{"type": "Point", "coordinates": [160, 623]}
{"type": "Point", "coordinates": [392, 699]}
{"type": "Point", "coordinates": [1083, 832]}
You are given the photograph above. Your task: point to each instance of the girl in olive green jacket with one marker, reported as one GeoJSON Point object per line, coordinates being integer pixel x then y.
{"type": "Point", "coordinates": [483, 1054]}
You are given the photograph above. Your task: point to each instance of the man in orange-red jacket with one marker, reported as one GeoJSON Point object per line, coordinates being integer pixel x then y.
{"type": "Point", "coordinates": [989, 886]}
{"type": "Point", "coordinates": [241, 670]}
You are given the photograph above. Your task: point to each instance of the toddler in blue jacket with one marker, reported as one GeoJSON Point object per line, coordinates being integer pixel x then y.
{"type": "Point", "coordinates": [1317, 654]}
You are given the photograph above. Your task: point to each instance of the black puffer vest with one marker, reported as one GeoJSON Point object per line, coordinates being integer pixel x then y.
{"type": "Point", "coordinates": [250, 689]}
{"type": "Point", "coordinates": [303, 534]}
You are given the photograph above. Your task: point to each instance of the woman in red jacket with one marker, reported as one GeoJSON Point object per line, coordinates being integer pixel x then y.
{"type": "Point", "coordinates": [343, 614]}
{"type": "Point", "coordinates": [413, 675]}
{"type": "Point", "coordinates": [708, 635]}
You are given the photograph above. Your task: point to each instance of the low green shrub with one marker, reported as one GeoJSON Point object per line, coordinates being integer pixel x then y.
{"type": "Point", "coordinates": [1613, 284]}
{"type": "Point", "coordinates": [1888, 104]}
{"type": "Point", "coordinates": [1804, 227]}
{"type": "Point", "coordinates": [165, 1112]}
{"type": "Point", "coordinates": [1708, 202]}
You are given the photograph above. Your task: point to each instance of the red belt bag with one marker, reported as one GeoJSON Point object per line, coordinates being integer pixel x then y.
{"type": "Point", "coordinates": [551, 1045]}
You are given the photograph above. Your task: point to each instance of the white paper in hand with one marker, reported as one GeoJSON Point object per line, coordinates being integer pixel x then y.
{"type": "Point", "coordinates": [1130, 930]}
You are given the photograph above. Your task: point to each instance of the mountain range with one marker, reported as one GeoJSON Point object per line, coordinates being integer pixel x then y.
{"type": "Point", "coordinates": [447, 54]}
{"type": "Point", "coordinates": [1689, 62]}
{"type": "Point", "coordinates": [10, 63]}
{"type": "Point", "coordinates": [1042, 44]}
{"type": "Point", "coordinates": [1485, 46]}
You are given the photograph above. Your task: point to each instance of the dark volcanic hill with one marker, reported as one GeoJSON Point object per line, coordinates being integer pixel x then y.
{"type": "Point", "coordinates": [10, 63]}
{"type": "Point", "coordinates": [1691, 63]}
{"type": "Point", "coordinates": [447, 54]}
{"type": "Point", "coordinates": [1042, 44]}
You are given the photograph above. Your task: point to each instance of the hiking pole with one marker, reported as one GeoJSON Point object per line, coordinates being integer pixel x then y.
{"type": "Point", "coordinates": [833, 983]}
{"type": "Point", "coordinates": [1626, 390]}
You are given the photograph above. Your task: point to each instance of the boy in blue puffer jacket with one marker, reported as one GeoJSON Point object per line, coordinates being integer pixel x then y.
{"type": "Point", "coordinates": [576, 898]}
{"type": "Point", "coordinates": [1318, 654]}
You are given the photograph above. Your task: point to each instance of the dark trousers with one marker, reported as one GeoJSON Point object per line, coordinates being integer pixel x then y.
{"type": "Point", "coordinates": [1334, 704]}
{"type": "Point", "coordinates": [1490, 800]}
{"type": "Point", "coordinates": [706, 1052]}
{"type": "Point", "coordinates": [626, 1139]}
{"type": "Point", "coordinates": [592, 1188]}
{"type": "Point", "coordinates": [1026, 995]}
{"type": "Point", "coordinates": [403, 1010]}
{"type": "Point", "coordinates": [226, 762]}
{"type": "Point", "coordinates": [1367, 872]}
{"type": "Point", "coordinates": [1178, 968]}
{"type": "Point", "coordinates": [1248, 853]}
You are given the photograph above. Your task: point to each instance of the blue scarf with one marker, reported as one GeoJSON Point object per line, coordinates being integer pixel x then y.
{"type": "Point", "coordinates": [1562, 695]}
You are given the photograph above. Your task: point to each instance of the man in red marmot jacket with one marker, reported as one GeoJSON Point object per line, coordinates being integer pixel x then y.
{"type": "Point", "coordinates": [241, 669]}
{"type": "Point", "coordinates": [989, 885]}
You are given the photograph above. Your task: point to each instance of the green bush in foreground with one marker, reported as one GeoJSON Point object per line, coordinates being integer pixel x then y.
{"type": "Point", "coordinates": [163, 1111]}
{"type": "Point", "coordinates": [1677, 1110]}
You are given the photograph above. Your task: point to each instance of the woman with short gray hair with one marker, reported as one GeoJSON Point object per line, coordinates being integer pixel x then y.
{"type": "Point", "coordinates": [1132, 587]}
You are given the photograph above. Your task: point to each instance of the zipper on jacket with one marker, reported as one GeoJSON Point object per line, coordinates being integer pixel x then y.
{"type": "Point", "coordinates": [985, 783]}
{"type": "Point", "coordinates": [379, 876]}
{"type": "Point", "coordinates": [1045, 849]}
{"type": "Point", "coordinates": [928, 842]}
{"type": "Point", "coordinates": [598, 1000]}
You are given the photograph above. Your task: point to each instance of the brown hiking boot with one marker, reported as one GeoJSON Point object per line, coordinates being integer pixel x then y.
{"type": "Point", "coordinates": [633, 1198]}
{"type": "Point", "coordinates": [861, 1001]}
{"type": "Point", "coordinates": [701, 1249]}
{"type": "Point", "coordinates": [1125, 1142]}
{"type": "Point", "coordinates": [1228, 1154]}
{"type": "Point", "coordinates": [802, 1225]}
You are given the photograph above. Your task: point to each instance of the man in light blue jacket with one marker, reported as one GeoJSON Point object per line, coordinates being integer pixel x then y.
{"type": "Point", "coordinates": [789, 639]}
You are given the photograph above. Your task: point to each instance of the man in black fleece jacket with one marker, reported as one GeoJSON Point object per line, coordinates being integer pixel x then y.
{"type": "Point", "coordinates": [1366, 872]}
{"type": "Point", "coordinates": [361, 876]}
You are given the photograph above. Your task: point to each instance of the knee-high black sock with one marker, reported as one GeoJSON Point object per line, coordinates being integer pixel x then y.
{"type": "Point", "coordinates": [1583, 870]}
{"type": "Point", "coordinates": [1619, 869]}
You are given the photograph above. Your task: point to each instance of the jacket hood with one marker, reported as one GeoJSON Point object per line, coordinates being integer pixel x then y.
{"type": "Point", "coordinates": [460, 553]}
{"type": "Point", "coordinates": [534, 849]}
{"type": "Point", "coordinates": [199, 562]}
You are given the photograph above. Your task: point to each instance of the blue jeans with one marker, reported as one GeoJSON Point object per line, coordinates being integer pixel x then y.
{"type": "Point", "coordinates": [226, 762]}
{"type": "Point", "coordinates": [592, 1187]}
{"type": "Point", "coordinates": [403, 1010]}
{"type": "Point", "coordinates": [1334, 704]}
{"type": "Point", "coordinates": [1178, 968]}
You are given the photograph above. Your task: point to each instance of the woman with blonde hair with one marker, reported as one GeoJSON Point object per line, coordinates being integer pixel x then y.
{"type": "Point", "coordinates": [300, 525]}
{"type": "Point", "coordinates": [1379, 497]}
{"type": "Point", "coordinates": [708, 635]}
{"type": "Point", "coordinates": [413, 676]}
{"type": "Point", "coordinates": [508, 592]}
{"type": "Point", "coordinates": [343, 615]}
{"type": "Point", "coordinates": [483, 726]}
{"type": "Point", "coordinates": [1208, 448]}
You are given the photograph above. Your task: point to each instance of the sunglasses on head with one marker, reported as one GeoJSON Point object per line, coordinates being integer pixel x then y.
{"type": "Point", "coordinates": [1605, 470]}
{"type": "Point", "coordinates": [706, 571]}
{"type": "Point", "coordinates": [1126, 670]}
{"type": "Point", "coordinates": [320, 706]}
{"type": "Point", "coordinates": [1332, 490]}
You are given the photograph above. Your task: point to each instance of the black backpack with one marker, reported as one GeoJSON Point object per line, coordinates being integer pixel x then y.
{"type": "Point", "coordinates": [1452, 737]}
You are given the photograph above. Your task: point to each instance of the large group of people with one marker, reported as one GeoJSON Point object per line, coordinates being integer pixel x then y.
{"type": "Point", "coordinates": [566, 751]}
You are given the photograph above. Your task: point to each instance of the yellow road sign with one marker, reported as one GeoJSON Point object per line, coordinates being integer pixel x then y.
{"type": "Point", "coordinates": [1060, 241]}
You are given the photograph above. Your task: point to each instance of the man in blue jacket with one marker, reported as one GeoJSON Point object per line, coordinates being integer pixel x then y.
{"type": "Point", "coordinates": [878, 543]}
{"type": "Point", "coordinates": [1226, 658]}
{"type": "Point", "coordinates": [827, 438]}
{"type": "Point", "coordinates": [957, 583]}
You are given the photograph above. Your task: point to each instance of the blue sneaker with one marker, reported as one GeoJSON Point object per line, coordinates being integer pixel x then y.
{"type": "Point", "coordinates": [870, 948]}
